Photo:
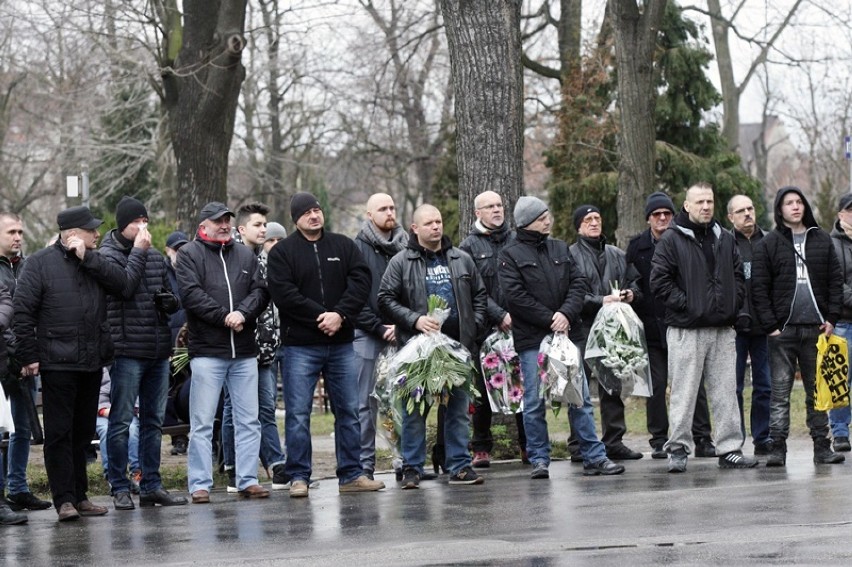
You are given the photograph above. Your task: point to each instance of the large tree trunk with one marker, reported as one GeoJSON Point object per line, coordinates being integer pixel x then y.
{"type": "Point", "coordinates": [635, 41]}
{"type": "Point", "coordinates": [484, 39]}
{"type": "Point", "coordinates": [730, 91]}
{"type": "Point", "coordinates": [201, 92]}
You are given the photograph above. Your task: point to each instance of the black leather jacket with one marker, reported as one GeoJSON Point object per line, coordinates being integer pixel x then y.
{"type": "Point", "coordinates": [402, 294]}
{"type": "Point", "coordinates": [485, 249]}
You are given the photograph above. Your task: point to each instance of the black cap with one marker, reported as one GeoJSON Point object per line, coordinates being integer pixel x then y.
{"type": "Point", "coordinates": [128, 210]}
{"type": "Point", "coordinates": [658, 200]}
{"type": "Point", "coordinates": [845, 202]}
{"type": "Point", "coordinates": [77, 217]}
{"type": "Point", "coordinates": [214, 210]}
{"type": "Point", "coordinates": [301, 203]}
{"type": "Point", "coordinates": [176, 240]}
{"type": "Point", "coordinates": [581, 212]}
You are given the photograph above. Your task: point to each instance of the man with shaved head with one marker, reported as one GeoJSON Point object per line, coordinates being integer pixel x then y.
{"type": "Point", "coordinates": [379, 239]}
{"type": "Point", "coordinates": [432, 266]}
{"type": "Point", "coordinates": [487, 237]}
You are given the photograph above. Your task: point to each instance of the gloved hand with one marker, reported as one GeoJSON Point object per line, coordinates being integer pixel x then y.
{"type": "Point", "coordinates": [743, 324]}
{"type": "Point", "coordinates": [166, 301]}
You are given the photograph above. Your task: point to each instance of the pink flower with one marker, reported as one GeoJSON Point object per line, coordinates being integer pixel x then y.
{"type": "Point", "coordinates": [498, 380]}
{"type": "Point", "coordinates": [508, 353]}
{"type": "Point", "coordinates": [543, 377]}
{"type": "Point", "coordinates": [491, 361]}
{"type": "Point", "coordinates": [541, 358]}
{"type": "Point", "coordinates": [516, 394]}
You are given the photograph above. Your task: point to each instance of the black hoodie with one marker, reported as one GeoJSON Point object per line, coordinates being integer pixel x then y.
{"type": "Point", "coordinates": [774, 270]}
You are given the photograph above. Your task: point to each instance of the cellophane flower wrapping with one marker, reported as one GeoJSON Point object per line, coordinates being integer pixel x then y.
{"type": "Point", "coordinates": [560, 372]}
{"type": "Point", "coordinates": [430, 365]}
{"type": "Point", "coordinates": [617, 353]}
{"type": "Point", "coordinates": [390, 412]}
{"type": "Point", "coordinates": [501, 371]}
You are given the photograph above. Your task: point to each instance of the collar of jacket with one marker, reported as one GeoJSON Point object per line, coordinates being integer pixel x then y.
{"type": "Point", "coordinates": [787, 232]}
{"type": "Point", "coordinates": [414, 244]}
{"type": "Point", "coordinates": [213, 244]}
{"type": "Point", "coordinates": [497, 234]}
{"type": "Point", "coordinates": [531, 237]}
{"type": "Point", "coordinates": [595, 244]}
{"type": "Point", "coordinates": [756, 235]}
{"type": "Point", "coordinates": [683, 226]}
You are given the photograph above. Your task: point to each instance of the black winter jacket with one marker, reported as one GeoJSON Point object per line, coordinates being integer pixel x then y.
{"type": "Point", "coordinates": [485, 249]}
{"type": "Point", "coordinates": [9, 269]}
{"type": "Point", "coordinates": [539, 277]}
{"type": "Point", "coordinates": [377, 255]}
{"type": "Point", "coordinates": [214, 280]}
{"type": "Point", "coordinates": [746, 247]}
{"type": "Point", "coordinates": [843, 249]}
{"type": "Point", "coordinates": [774, 271]}
{"type": "Point", "coordinates": [695, 296]}
{"type": "Point", "coordinates": [139, 329]}
{"type": "Point", "coordinates": [308, 278]}
{"type": "Point", "coordinates": [649, 307]}
{"type": "Point", "coordinates": [586, 253]}
{"type": "Point", "coordinates": [403, 300]}
{"type": "Point", "coordinates": [61, 310]}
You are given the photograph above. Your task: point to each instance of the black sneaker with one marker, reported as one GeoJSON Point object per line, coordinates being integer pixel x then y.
{"type": "Point", "coordinates": [466, 476]}
{"type": "Point", "coordinates": [823, 455]}
{"type": "Point", "coordinates": [841, 445]}
{"type": "Point", "coordinates": [778, 454]}
{"type": "Point", "coordinates": [657, 452]}
{"type": "Point", "coordinates": [604, 467]}
{"type": "Point", "coordinates": [232, 481]}
{"type": "Point", "coordinates": [704, 449]}
{"type": "Point", "coordinates": [762, 449]}
{"type": "Point", "coordinates": [576, 457]}
{"type": "Point", "coordinates": [736, 460]}
{"type": "Point", "coordinates": [280, 479]}
{"type": "Point", "coordinates": [677, 460]}
{"type": "Point", "coordinates": [622, 452]}
{"type": "Point", "coordinates": [539, 471]}
{"type": "Point", "coordinates": [410, 478]}
{"type": "Point", "coordinates": [179, 444]}
{"type": "Point", "coordinates": [26, 501]}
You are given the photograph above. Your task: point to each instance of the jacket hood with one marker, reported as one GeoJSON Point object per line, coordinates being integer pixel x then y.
{"type": "Point", "coordinates": [414, 244]}
{"type": "Point", "coordinates": [808, 218]}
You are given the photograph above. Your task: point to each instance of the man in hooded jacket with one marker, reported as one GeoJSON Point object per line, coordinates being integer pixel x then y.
{"type": "Point", "coordinates": [798, 291]}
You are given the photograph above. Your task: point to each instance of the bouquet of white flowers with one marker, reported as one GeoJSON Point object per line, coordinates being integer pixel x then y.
{"type": "Point", "coordinates": [390, 413]}
{"type": "Point", "coordinates": [560, 372]}
{"type": "Point", "coordinates": [616, 351]}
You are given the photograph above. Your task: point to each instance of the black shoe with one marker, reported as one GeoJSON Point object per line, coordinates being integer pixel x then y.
{"type": "Point", "coordinates": [736, 460]}
{"type": "Point", "coordinates": [280, 479]}
{"type": "Point", "coordinates": [576, 457]}
{"type": "Point", "coordinates": [466, 476]}
{"type": "Point", "coordinates": [410, 478]}
{"type": "Point", "coordinates": [842, 445]}
{"type": "Point", "coordinates": [539, 471]}
{"type": "Point", "coordinates": [778, 453]}
{"type": "Point", "coordinates": [823, 455]}
{"type": "Point", "coordinates": [161, 497]}
{"type": "Point", "coordinates": [26, 501]}
{"type": "Point", "coordinates": [426, 475]}
{"type": "Point", "coordinates": [657, 452]}
{"type": "Point", "coordinates": [179, 445]}
{"type": "Point", "coordinates": [9, 517]}
{"type": "Point", "coordinates": [439, 458]}
{"type": "Point", "coordinates": [677, 460]}
{"type": "Point", "coordinates": [604, 467]}
{"type": "Point", "coordinates": [232, 481]}
{"type": "Point", "coordinates": [123, 501]}
{"type": "Point", "coordinates": [764, 448]}
{"type": "Point", "coordinates": [704, 449]}
{"type": "Point", "coordinates": [622, 452]}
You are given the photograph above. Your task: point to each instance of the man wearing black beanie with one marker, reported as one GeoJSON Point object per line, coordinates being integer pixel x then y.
{"type": "Point", "coordinates": [128, 210]}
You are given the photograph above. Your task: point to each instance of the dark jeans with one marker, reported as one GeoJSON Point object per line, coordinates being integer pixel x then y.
{"type": "Point", "coordinates": [795, 344]}
{"type": "Point", "coordinates": [481, 439]}
{"type": "Point", "coordinates": [757, 348]}
{"type": "Point", "coordinates": [657, 416]}
{"type": "Point", "coordinates": [70, 407]}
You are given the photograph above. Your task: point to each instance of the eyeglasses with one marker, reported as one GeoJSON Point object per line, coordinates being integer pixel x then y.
{"type": "Point", "coordinates": [744, 210]}
{"type": "Point", "coordinates": [490, 207]}
{"type": "Point", "coordinates": [661, 214]}
{"type": "Point", "coordinates": [591, 219]}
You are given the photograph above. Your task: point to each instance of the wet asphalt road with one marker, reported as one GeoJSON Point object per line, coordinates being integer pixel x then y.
{"type": "Point", "coordinates": [801, 515]}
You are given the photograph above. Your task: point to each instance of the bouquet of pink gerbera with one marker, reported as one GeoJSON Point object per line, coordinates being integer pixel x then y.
{"type": "Point", "coordinates": [501, 370]}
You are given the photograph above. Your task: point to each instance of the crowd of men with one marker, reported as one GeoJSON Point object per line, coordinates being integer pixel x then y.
{"type": "Point", "coordinates": [256, 301]}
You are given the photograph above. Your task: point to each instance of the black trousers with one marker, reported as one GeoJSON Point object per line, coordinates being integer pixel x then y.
{"type": "Point", "coordinates": [70, 406]}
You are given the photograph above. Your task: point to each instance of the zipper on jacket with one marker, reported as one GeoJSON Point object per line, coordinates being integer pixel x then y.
{"type": "Point", "coordinates": [230, 298]}
{"type": "Point", "coordinates": [319, 269]}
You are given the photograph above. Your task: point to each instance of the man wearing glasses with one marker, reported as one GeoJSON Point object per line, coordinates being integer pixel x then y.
{"type": "Point", "coordinates": [659, 210]}
{"type": "Point", "coordinates": [751, 340]}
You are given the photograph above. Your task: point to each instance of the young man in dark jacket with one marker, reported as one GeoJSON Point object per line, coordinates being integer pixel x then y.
{"type": "Point", "coordinates": [659, 211]}
{"type": "Point", "coordinates": [432, 266]}
{"type": "Point", "coordinates": [138, 319]}
{"type": "Point", "coordinates": [697, 272]}
{"type": "Point", "coordinates": [841, 235]}
{"type": "Point", "coordinates": [798, 293]}
{"type": "Point", "coordinates": [319, 282]}
{"type": "Point", "coordinates": [602, 264]}
{"type": "Point", "coordinates": [490, 234]}
{"type": "Point", "coordinates": [544, 293]}
{"type": "Point", "coordinates": [223, 294]}
{"type": "Point", "coordinates": [62, 331]}
{"type": "Point", "coordinates": [751, 340]}
{"type": "Point", "coordinates": [379, 239]}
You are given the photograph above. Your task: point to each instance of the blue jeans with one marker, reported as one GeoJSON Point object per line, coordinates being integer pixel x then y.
{"type": "Point", "coordinates": [270, 442]}
{"type": "Point", "coordinates": [456, 435]}
{"type": "Point", "coordinates": [102, 427]}
{"type": "Point", "coordinates": [757, 348]}
{"type": "Point", "coordinates": [147, 380]}
{"type": "Point", "coordinates": [582, 419]}
{"type": "Point", "coordinates": [838, 418]}
{"type": "Point", "coordinates": [302, 368]}
{"type": "Point", "coordinates": [209, 376]}
{"type": "Point", "coordinates": [367, 349]}
{"type": "Point", "coordinates": [18, 453]}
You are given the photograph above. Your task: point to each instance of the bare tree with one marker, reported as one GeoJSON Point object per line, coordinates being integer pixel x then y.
{"type": "Point", "coordinates": [484, 40]}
